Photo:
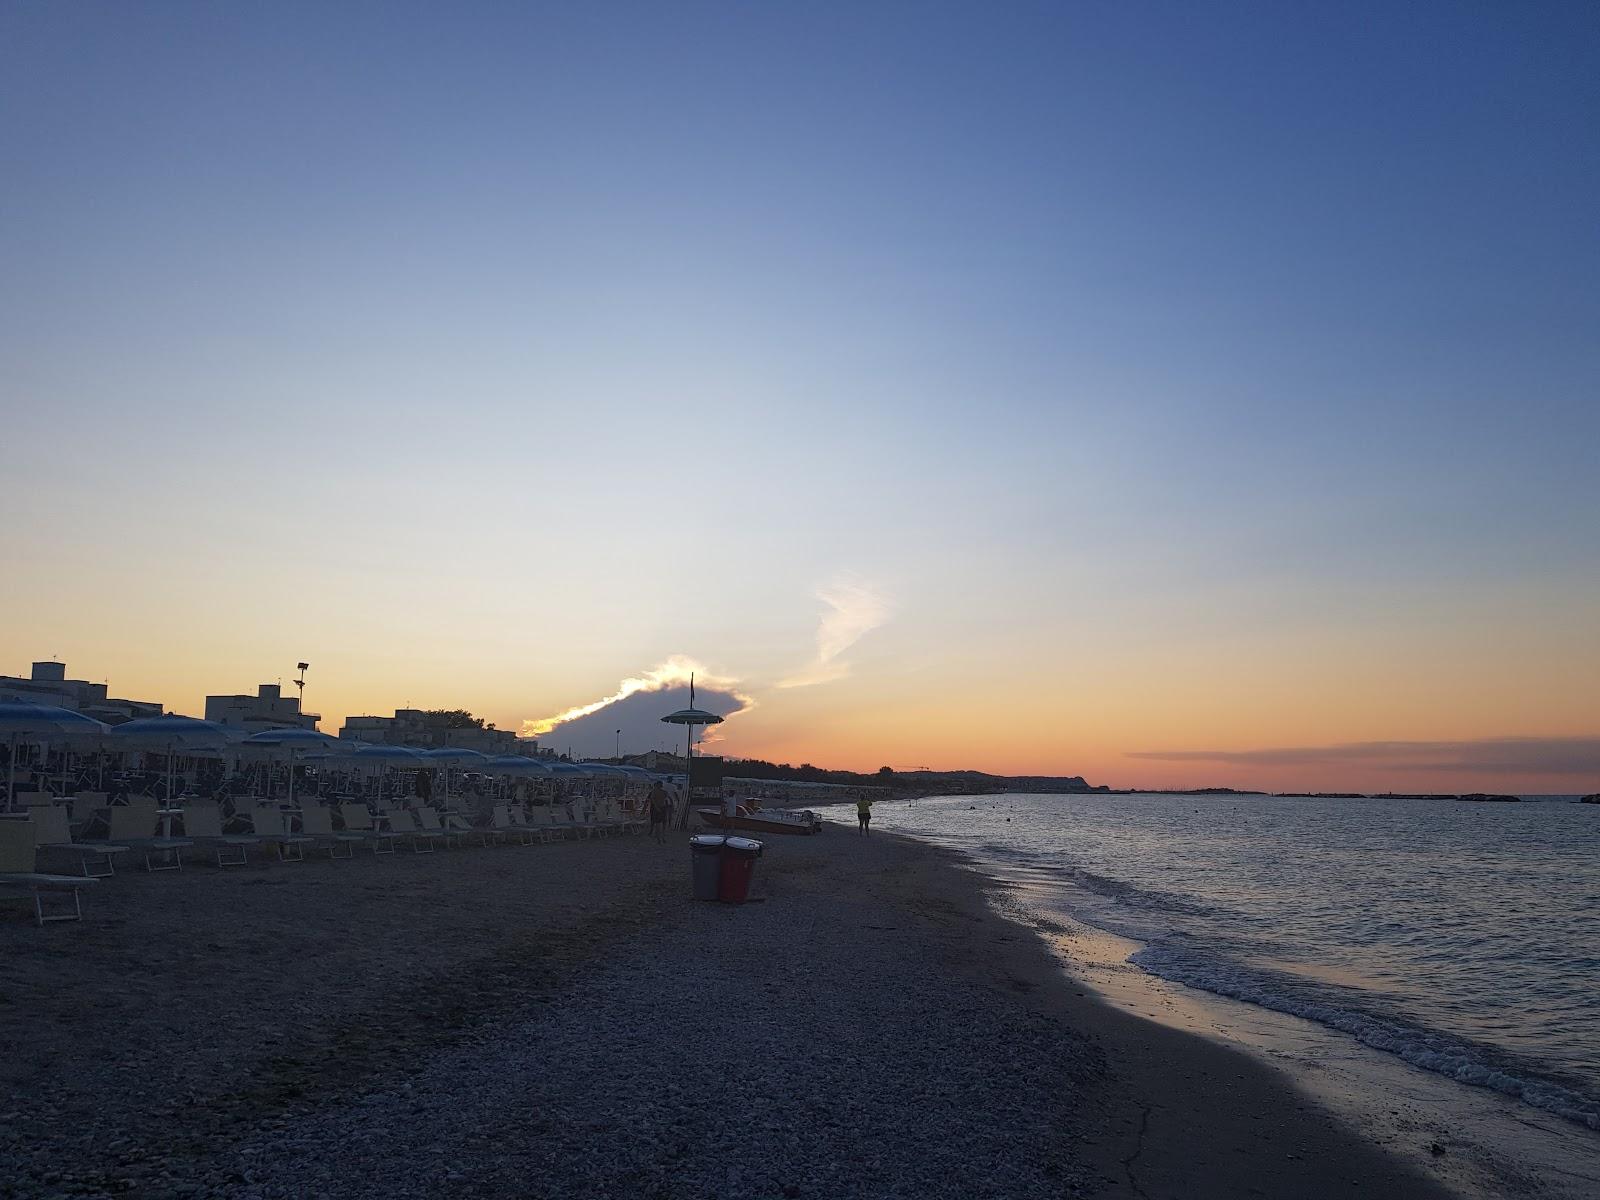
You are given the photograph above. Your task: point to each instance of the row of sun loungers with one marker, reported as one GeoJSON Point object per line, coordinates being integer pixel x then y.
{"type": "Point", "coordinates": [143, 828]}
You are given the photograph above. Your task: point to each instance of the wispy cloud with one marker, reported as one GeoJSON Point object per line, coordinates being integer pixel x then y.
{"type": "Point", "coordinates": [852, 610]}
{"type": "Point", "coordinates": [674, 672]}
{"type": "Point", "coordinates": [1578, 756]}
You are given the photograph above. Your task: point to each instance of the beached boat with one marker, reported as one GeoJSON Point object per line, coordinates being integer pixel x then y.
{"type": "Point", "coordinates": [751, 817]}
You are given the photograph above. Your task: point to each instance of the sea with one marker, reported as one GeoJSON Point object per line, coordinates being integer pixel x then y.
{"type": "Point", "coordinates": [1462, 938]}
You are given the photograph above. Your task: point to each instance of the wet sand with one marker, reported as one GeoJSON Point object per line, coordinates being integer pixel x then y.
{"type": "Point", "coordinates": [880, 1027]}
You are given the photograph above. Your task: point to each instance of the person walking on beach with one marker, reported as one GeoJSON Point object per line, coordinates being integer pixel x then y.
{"type": "Point", "coordinates": [660, 810]}
{"type": "Point", "coordinates": [864, 813]}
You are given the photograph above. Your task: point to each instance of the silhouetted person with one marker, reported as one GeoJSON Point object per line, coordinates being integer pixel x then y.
{"type": "Point", "coordinates": [660, 805]}
{"type": "Point", "coordinates": [864, 813]}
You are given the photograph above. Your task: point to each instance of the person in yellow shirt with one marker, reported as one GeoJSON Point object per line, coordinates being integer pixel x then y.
{"type": "Point", "coordinates": [864, 813]}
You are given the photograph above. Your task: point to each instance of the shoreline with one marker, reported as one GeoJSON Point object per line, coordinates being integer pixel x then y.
{"type": "Point", "coordinates": [564, 1019]}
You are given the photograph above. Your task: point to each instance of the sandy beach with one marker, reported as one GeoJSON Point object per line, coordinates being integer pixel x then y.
{"type": "Point", "coordinates": [562, 1020]}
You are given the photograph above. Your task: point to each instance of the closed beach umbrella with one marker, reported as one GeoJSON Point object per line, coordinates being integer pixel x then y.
{"type": "Point", "coordinates": [690, 717]}
{"type": "Point", "coordinates": [21, 720]}
{"type": "Point", "coordinates": [172, 735]}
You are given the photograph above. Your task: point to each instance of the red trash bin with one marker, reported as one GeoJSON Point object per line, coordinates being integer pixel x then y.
{"type": "Point", "coordinates": [738, 866]}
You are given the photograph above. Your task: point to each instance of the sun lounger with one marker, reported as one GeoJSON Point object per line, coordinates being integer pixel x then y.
{"type": "Point", "coordinates": [430, 826]}
{"type": "Point", "coordinates": [268, 822]}
{"type": "Point", "coordinates": [18, 847]}
{"type": "Point", "coordinates": [544, 819]}
{"type": "Point", "coordinates": [202, 825]}
{"type": "Point", "coordinates": [502, 827]}
{"type": "Point", "coordinates": [358, 820]}
{"type": "Point", "coordinates": [316, 824]}
{"type": "Point", "coordinates": [134, 826]}
{"type": "Point", "coordinates": [54, 833]}
{"type": "Point", "coordinates": [86, 806]}
{"type": "Point", "coordinates": [403, 824]}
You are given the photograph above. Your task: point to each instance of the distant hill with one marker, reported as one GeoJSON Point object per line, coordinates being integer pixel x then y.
{"type": "Point", "coordinates": [909, 781]}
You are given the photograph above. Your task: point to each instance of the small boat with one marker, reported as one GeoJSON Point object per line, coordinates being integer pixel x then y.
{"type": "Point", "coordinates": [749, 816]}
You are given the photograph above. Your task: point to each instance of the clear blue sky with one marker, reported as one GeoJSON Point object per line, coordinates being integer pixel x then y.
{"type": "Point", "coordinates": [1087, 337]}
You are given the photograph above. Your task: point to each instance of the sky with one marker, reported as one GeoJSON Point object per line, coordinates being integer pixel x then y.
{"type": "Point", "coordinates": [1168, 394]}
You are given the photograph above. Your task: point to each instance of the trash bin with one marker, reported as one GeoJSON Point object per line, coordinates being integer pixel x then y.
{"type": "Point", "coordinates": [705, 855]}
{"type": "Point", "coordinates": [738, 865]}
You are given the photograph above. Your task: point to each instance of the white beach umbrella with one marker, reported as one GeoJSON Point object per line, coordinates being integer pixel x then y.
{"type": "Point", "coordinates": [22, 721]}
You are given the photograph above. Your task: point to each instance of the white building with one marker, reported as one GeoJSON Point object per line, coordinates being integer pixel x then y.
{"type": "Point", "coordinates": [48, 684]}
{"type": "Point", "coordinates": [269, 708]}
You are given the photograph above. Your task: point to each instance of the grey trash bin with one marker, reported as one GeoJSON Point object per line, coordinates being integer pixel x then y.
{"type": "Point", "coordinates": [705, 854]}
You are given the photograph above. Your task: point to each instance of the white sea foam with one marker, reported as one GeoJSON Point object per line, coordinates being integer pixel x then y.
{"type": "Point", "coordinates": [1422, 1048]}
{"type": "Point", "coordinates": [1459, 938]}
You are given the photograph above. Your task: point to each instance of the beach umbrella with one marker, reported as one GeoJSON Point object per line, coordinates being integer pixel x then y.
{"type": "Point", "coordinates": [446, 757]}
{"type": "Point", "coordinates": [690, 717]}
{"type": "Point", "coordinates": [20, 720]}
{"type": "Point", "coordinates": [172, 735]}
{"type": "Point", "coordinates": [295, 741]}
{"type": "Point", "coordinates": [515, 764]}
{"type": "Point", "coordinates": [383, 757]}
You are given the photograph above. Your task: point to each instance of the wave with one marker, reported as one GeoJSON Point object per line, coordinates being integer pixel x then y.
{"type": "Point", "coordinates": [1423, 1048]}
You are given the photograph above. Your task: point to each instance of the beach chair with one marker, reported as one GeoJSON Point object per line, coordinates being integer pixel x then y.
{"type": "Point", "coordinates": [430, 826]}
{"type": "Point", "coordinates": [52, 832]}
{"type": "Point", "coordinates": [18, 849]}
{"type": "Point", "coordinates": [316, 826]}
{"type": "Point", "coordinates": [358, 820]}
{"type": "Point", "coordinates": [545, 821]}
{"type": "Point", "coordinates": [86, 806]}
{"type": "Point", "coordinates": [202, 825]}
{"type": "Point", "coordinates": [610, 817]}
{"type": "Point", "coordinates": [134, 826]}
{"type": "Point", "coordinates": [271, 825]}
{"type": "Point", "coordinates": [403, 824]}
{"type": "Point", "coordinates": [502, 826]}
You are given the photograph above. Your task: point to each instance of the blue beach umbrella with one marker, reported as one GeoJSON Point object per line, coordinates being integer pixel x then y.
{"type": "Point", "coordinates": [295, 741]}
{"type": "Point", "coordinates": [20, 719]}
{"type": "Point", "coordinates": [382, 758]}
{"type": "Point", "coordinates": [172, 735]}
{"type": "Point", "coordinates": [449, 756]}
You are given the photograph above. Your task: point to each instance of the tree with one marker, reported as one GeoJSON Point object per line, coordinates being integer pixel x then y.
{"type": "Point", "coordinates": [886, 771]}
{"type": "Point", "coordinates": [456, 718]}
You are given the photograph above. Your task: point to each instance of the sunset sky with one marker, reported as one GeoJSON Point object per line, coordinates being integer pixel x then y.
{"type": "Point", "coordinates": [1167, 394]}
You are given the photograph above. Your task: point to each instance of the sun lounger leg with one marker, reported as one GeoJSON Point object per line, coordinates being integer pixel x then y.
{"type": "Point", "coordinates": [38, 909]}
{"type": "Point", "coordinates": [175, 865]}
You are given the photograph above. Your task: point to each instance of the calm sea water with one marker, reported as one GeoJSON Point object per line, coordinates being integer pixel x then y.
{"type": "Point", "coordinates": [1463, 937]}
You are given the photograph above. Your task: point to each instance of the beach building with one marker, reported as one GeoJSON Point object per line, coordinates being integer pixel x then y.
{"type": "Point", "coordinates": [424, 729]}
{"type": "Point", "coordinates": [47, 683]}
{"type": "Point", "coordinates": [269, 708]}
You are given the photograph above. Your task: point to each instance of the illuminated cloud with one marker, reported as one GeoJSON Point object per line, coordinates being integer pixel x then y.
{"type": "Point", "coordinates": [636, 708]}
{"type": "Point", "coordinates": [1576, 756]}
{"type": "Point", "coordinates": [853, 610]}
